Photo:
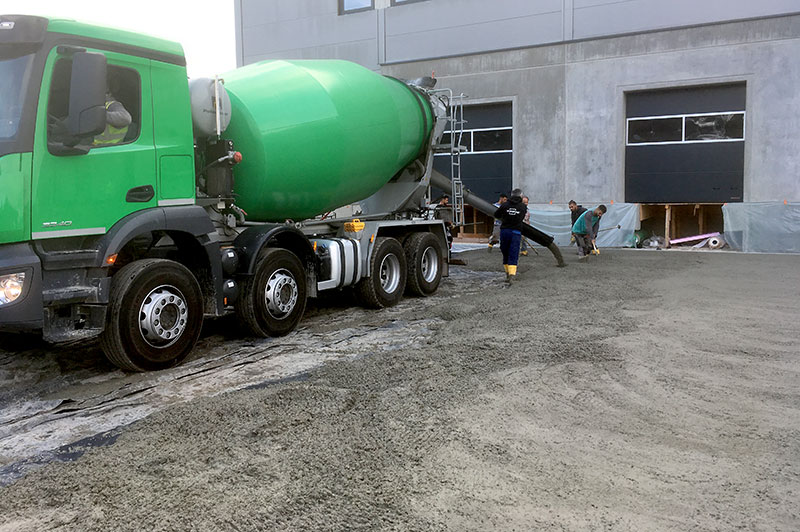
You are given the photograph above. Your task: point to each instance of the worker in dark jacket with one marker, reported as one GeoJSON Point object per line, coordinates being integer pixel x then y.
{"type": "Point", "coordinates": [575, 211]}
{"type": "Point", "coordinates": [585, 230]}
{"type": "Point", "coordinates": [444, 212]}
{"type": "Point", "coordinates": [511, 215]}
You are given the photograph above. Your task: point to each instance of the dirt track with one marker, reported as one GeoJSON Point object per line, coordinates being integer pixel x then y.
{"type": "Point", "coordinates": [640, 391]}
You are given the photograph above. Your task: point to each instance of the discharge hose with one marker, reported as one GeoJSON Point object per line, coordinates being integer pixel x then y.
{"type": "Point", "coordinates": [543, 239]}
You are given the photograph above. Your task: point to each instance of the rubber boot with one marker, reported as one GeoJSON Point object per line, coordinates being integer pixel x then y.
{"type": "Point", "coordinates": [557, 254]}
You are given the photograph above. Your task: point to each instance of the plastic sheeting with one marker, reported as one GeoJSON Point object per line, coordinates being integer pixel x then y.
{"type": "Point", "coordinates": [762, 227]}
{"type": "Point", "coordinates": [555, 220]}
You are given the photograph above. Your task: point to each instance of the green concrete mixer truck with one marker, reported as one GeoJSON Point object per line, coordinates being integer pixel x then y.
{"type": "Point", "coordinates": [212, 197]}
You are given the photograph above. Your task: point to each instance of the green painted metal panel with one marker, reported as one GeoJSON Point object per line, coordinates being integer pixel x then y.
{"type": "Point", "coordinates": [15, 193]}
{"type": "Point", "coordinates": [172, 131]}
{"type": "Point", "coordinates": [86, 194]}
{"type": "Point", "coordinates": [316, 135]}
{"type": "Point", "coordinates": [72, 27]}
{"type": "Point", "coordinates": [176, 177]}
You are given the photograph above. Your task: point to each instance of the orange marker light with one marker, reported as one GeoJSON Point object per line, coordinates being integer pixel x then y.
{"type": "Point", "coordinates": [111, 259]}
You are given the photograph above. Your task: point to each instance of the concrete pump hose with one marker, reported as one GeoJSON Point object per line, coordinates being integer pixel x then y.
{"type": "Point", "coordinates": [543, 239]}
{"type": "Point", "coordinates": [557, 254]}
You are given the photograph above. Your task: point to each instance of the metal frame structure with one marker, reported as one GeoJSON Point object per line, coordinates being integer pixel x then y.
{"type": "Point", "coordinates": [455, 118]}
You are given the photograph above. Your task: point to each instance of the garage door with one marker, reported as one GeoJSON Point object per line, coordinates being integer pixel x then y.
{"type": "Point", "coordinates": [685, 145]}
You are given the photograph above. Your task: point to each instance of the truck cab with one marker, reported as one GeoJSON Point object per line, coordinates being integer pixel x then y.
{"type": "Point", "coordinates": [70, 205]}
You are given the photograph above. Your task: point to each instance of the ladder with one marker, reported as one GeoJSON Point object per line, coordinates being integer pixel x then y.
{"type": "Point", "coordinates": [455, 120]}
{"type": "Point", "coordinates": [456, 111]}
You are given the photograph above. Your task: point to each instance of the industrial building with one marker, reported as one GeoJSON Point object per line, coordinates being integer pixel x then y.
{"type": "Point", "coordinates": [678, 107]}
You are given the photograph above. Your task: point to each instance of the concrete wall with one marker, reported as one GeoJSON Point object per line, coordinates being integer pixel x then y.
{"type": "Point", "coordinates": [569, 101]}
{"type": "Point", "coordinates": [304, 29]}
{"type": "Point", "coordinates": [415, 31]}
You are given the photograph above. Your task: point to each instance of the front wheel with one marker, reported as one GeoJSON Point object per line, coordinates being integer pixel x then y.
{"type": "Point", "coordinates": [387, 275]}
{"type": "Point", "coordinates": [154, 316]}
{"type": "Point", "coordinates": [273, 300]}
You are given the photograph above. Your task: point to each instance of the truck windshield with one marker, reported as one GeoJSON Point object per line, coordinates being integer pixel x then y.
{"type": "Point", "coordinates": [14, 74]}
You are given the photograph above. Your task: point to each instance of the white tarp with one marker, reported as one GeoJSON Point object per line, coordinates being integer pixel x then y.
{"type": "Point", "coordinates": [762, 227]}
{"type": "Point", "coordinates": [555, 220]}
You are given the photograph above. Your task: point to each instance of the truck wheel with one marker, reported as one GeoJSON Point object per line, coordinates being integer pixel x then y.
{"type": "Point", "coordinates": [425, 263]}
{"type": "Point", "coordinates": [387, 275]}
{"type": "Point", "coordinates": [154, 316]}
{"type": "Point", "coordinates": [273, 300]}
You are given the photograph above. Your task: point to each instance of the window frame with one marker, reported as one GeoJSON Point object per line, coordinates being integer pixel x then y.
{"type": "Point", "coordinates": [395, 3]}
{"type": "Point", "coordinates": [683, 118]}
{"type": "Point", "coordinates": [134, 119]}
{"type": "Point", "coordinates": [471, 147]}
{"type": "Point", "coordinates": [343, 11]}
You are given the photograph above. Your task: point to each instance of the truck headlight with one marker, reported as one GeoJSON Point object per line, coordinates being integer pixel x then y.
{"type": "Point", "coordinates": [11, 287]}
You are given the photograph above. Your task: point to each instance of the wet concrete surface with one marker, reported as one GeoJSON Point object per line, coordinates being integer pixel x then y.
{"type": "Point", "coordinates": [638, 390]}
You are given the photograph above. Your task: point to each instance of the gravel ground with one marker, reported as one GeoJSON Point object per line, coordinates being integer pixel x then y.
{"type": "Point", "coordinates": [641, 390]}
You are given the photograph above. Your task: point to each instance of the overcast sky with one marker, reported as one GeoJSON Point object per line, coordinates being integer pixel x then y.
{"type": "Point", "coordinates": [205, 28]}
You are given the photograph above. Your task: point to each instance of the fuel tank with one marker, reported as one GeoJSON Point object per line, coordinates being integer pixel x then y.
{"type": "Point", "coordinates": [316, 135]}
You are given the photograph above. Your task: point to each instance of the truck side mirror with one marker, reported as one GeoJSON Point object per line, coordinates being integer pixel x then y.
{"type": "Point", "coordinates": [87, 95]}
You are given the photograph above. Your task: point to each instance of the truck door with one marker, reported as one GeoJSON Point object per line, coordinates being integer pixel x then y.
{"type": "Point", "coordinates": [86, 190]}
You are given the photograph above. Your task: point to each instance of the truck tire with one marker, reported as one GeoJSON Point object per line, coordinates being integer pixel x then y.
{"type": "Point", "coordinates": [387, 275]}
{"type": "Point", "coordinates": [154, 317]}
{"type": "Point", "coordinates": [425, 263]}
{"type": "Point", "coordinates": [273, 300]}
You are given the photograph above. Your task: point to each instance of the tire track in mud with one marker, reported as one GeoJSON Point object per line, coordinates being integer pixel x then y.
{"type": "Point", "coordinates": [55, 401]}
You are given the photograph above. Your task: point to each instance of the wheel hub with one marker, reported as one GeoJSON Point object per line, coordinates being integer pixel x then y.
{"type": "Point", "coordinates": [430, 265]}
{"type": "Point", "coordinates": [390, 273]}
{"type": "Point", "coordinates": [163, 316]}
{"type": "Point", "coordinates": [280, 294]}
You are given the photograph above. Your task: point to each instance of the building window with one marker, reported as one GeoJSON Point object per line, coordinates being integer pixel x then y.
{"type": "Point", "coordinates": [402, 2]}
{"type": "Point", "coordinates": [684, 129]}
{"type": "Point", "coordinates": [124, 88]}
{"type": "Point", "coordinates": [714, 127]}
{"type": "Point", "coordinates": [652, 130]}
{"type": "Point", "coordinates": [484, 140]}
{"type": "Point", "coordinates": [354, 6]}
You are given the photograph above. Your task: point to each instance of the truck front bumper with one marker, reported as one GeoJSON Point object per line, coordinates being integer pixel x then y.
{"type": "Point", "coordinates": [24, 314]}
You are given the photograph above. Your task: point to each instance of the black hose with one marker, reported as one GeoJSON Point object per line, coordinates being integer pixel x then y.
{"type": "Point", "coordinates": [543, 239]}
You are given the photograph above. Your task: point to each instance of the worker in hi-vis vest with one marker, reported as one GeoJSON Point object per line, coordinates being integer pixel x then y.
{"type": "Point", "coordinates": [117, 121]}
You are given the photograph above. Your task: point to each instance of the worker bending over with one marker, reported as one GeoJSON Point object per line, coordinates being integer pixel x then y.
{"type": "Point", "coordinates": [511, 215]}
{"type": "Point", "coordinates": [585, 230]}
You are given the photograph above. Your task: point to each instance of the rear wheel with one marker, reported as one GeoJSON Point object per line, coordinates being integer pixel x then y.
{"type": "Point", "coordinates": [273, 300]}
{"type": "Point", "coordinates": [425, 263]}
{"type": "Point", "coordinates": [154, 316]}
{"type": "Point", "coordinates": [387, 280]}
